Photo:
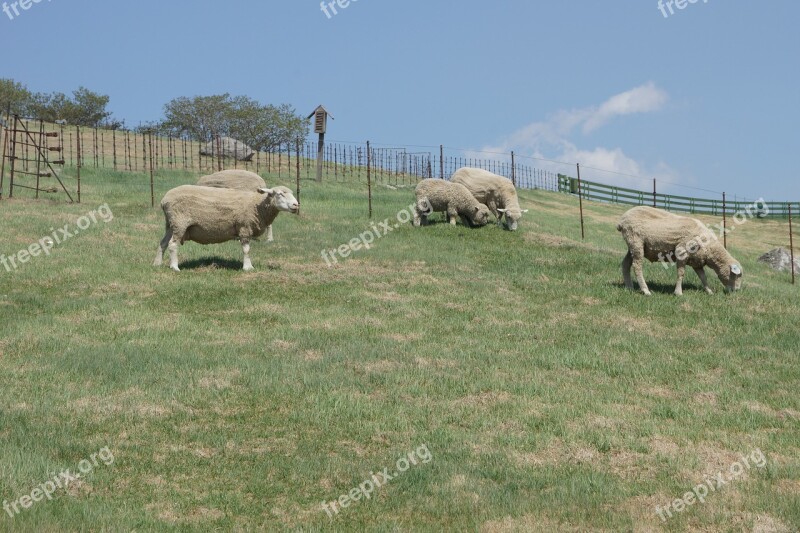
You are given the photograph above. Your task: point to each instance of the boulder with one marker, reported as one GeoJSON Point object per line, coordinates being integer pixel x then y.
{"type": "Point", "coordinates": [228, 147]}
{"type": "Point", "coordinates": [779, 259]}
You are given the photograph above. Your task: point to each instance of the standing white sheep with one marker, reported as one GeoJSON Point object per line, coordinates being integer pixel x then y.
{"type": "Point", "coordinates": [434, 195]}
{"type": "Point", "coordinates": [208, 215]}
{"type": "Point", "coordinates": [496, 192]}
{"type": "Point", "coordinates": [657, 235]}
{"type": "Point", "coordinates": [240, 180]}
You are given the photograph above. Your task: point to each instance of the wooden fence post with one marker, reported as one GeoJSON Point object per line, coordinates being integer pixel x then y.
{"type": "Point", "coordinates": [580, 200]}
{"type": "Point", "coordinates": [369, 178]}
{"type": "Point", "coordinates": [724, 222]}
{"type": "Point", "coordinates": [791, 242]}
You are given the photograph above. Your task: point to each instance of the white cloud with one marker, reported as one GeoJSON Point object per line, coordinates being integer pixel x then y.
{"type": "Point", "coordinates": [550, 139]}
{"type": "Point", "coordinates": [643, 99]}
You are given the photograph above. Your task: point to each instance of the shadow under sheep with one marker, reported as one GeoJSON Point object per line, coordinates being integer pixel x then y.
{"type": "Point", "coordinates": [214, 262]}
{"type": "Point", "coordinates": [666, 288]}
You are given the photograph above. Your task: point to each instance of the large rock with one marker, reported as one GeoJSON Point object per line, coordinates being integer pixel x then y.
{"type": "Point", "coordinates": [228, 147]}
{"type": "Point", "coordinates": [779, 259]}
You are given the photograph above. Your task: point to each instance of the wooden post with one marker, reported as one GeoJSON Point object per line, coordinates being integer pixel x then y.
{"type": "Point", "coordinates": [441, 161]}
{"type": "Point", "coordinates": [13, 144]}
{"type": "Point", "coordinates": [724, 222]}
{"type": "Point", "coordinates": [369, 178]}
{"type": "Point", "coordinates": [320, 155]}
{"type": "Point", "coordinates": [80, 162]}
{"type": "Point", "coordinates": [219, 154]}
{"type": "Point", "coordinates": [152, 189]}
{"type": "Point", "coordinates": [654, 192]}
{"type": "Point", "coordinates": [791, 242]}
{"type": "Point", "coordinates": [3, 161]}
{"type": "Point", "coordinates": [40, 142]}
{"type": "Point", "coordinates": [513, 169]}
{"type": "Point", "coordinates": [298, 177]}
{"type": "Point", "coordinates": [580, 201]}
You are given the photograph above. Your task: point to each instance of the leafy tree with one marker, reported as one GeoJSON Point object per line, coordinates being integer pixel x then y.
{"type": "Point", "coordinates": [85, 108]}
{"type": "Point", "coordinates": [263, 127]}
{"type": "Point", "coordinates": [15, 98]}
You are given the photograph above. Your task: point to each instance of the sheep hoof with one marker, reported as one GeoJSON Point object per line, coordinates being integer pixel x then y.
{"type": "Point", "coordinates": [247, 268]}
{"type": "Point", "coordinates": [647, 293]}
{"type": "Point", "coordinates": [176, 269]}
{"type": "Point", "coordinates": [709, 291]}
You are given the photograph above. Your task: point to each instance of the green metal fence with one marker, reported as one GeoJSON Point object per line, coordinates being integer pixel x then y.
{"type": "Point", "coordinates": [704, 206]}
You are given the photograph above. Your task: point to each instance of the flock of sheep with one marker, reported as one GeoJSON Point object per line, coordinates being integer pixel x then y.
{"type": "Point", "coordinates": [238, 205]}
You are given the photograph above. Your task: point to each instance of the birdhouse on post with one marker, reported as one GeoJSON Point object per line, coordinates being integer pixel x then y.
{"type": "Point", "coordinates": [320, 116]}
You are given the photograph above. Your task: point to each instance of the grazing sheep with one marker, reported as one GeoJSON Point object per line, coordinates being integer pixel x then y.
{"type": "Point", "coordinates": [207, 215]}
{"type": "Point", "coordinates": [657, 235]}
{"type": "Point", "coordinates": [241, 180]}
{"type": "Point", "coordinates": [435, 195]}
{"type": "Point", "coordinates": [496, 192]}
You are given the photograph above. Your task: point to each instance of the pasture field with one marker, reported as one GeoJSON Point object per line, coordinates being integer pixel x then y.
{"type": "Point", "coordinates": [533, 391]}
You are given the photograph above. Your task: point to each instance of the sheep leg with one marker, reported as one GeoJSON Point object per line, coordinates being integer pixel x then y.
{"type": "Point", "coordinates": [497, 214]}
{"type": "Point", "coordinates": [637, 259]}
{"type": "Point", "coordinates": [452, 215]}
{"type": "Point", "coordinates": [681, 273]}
{"type": "Point", "coordinates": [626, 271]}
{"type": "Point", "coordinates": [247, 264]}
{"type": "Point", "coordinates": [418, 217]}
{"type": "Point", "coordinates": [162, 246]}
{"type": "Point", "coordinates": [702, 275]}
{"type": "Point", "coordinates": [269, 233]}
{"type": "Point", "coordinates": [173, 253]}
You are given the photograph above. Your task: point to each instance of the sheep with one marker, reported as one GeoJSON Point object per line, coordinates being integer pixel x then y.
{"type": "Point", "coordinates": [208, 215]}
{"type": "Point", "coordinates": [241, 180]}
{"type": "Point", "coordinates": [434, 195]}
{"type": "Point", "coordinates": [497, 192]}
{"type": "Point", "coordinates": [657, 235]}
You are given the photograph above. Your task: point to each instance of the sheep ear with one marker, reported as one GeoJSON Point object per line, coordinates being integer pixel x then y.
{"type": "Point", "coordinates": [266, 191]}
{"type": "Point", "coordinates": [502, 210]}
{"type": "Point", "coordinates": [477, 208]}
{"type": "Point", "coordinates": [736, 270]}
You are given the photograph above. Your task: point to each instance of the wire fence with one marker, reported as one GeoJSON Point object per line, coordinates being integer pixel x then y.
{"type": "Point", "coordinates": [601, 192]}
{"type": "Point", "coordinates": [128, 151]}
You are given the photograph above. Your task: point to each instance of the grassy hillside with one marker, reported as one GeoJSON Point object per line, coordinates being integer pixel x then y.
{"type": "Point", "coordinates": [533, 392]}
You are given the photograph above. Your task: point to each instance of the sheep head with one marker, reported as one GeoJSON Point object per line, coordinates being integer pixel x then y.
{"type": "Point", "coordinates": [481, 215]}
{"type": "Point", "coordinates": [512, 216]}
{"type": "Point", "coordinates": [281, 198]}
{"type": "Point", "coordinates": [731, 276]}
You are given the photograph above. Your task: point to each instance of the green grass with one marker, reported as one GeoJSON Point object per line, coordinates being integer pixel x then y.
{"type": "Point", "coordinates": [549, 397]}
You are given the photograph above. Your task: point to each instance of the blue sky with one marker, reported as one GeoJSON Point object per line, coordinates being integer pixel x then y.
{"type": "Point", "coordinates": [706, 97]}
